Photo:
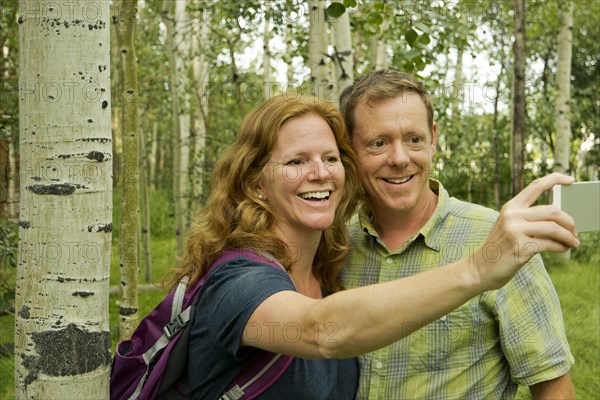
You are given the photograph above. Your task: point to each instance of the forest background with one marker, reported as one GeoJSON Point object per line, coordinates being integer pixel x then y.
{"type": "Point", "coordinates": [119, 141]}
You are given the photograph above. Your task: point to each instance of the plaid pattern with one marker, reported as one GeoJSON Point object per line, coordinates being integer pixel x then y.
{"type": "Point", "coordinates": [484, 349]}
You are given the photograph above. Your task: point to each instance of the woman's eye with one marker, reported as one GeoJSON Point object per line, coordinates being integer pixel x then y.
{"type": "Point", "coordinates": [294, 162]}
{"type": "Point", "coordinates": [331, 160]}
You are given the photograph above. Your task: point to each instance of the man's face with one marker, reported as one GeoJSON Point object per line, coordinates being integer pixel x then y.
{"type": "Point", "coordinates": [394, 147]}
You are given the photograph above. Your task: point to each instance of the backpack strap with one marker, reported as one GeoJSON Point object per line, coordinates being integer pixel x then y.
{"type": "Point", "coordinates": [267, 367]}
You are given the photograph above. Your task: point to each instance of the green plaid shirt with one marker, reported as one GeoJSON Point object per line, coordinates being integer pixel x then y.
{"type": "Point", "coordinates": [484, 349]}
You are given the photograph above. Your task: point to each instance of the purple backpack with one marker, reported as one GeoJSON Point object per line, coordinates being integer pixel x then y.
{"type": "Point", "coordinates": [153, 363]}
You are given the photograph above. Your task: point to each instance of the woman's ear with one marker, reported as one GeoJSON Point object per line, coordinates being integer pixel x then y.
{"type": "Point", "coordinates": [260, 192]}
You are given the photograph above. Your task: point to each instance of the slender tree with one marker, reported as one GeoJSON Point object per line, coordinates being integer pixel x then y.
{"type": "Point", "coordinates": [318, 55]}
{"type": "Point", "coordinates": [267, 76]}
{"type": "Point", "coordinates": [129, 257]}
{"type": "Point", "coordinates": [563, 82]}
{"type": "Point", "coordinates": [62, 340]}
{"type": "Point", "coordinates": [342, 57]}
{"type": "Point", "coordinates": [519, 110]}
{"type": "Point", "coordinates": [200, 75]}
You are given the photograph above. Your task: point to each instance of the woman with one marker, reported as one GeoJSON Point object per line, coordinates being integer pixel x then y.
{"type": "Point", "coordinates": [285, 187]}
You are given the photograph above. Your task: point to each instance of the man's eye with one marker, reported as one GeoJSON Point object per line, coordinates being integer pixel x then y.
{"type": "Point", "coordinates": [378, 143]}
{"type": "Point", "coordinates": [415, 140]}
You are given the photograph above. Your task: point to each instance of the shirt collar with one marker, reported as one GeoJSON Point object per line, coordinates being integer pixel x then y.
{"type": "Point", "coordinates": [429, 231]}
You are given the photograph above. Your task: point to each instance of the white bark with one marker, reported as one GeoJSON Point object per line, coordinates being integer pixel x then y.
{"type": "Point", "coordinates": [267, 78]}
{"type": "Point", "coordinates": [318, 60]}
{"type": "Point", "coordinates": [200, 37]}
{"type": "Point", "coordinates": [181, 170]}
{"type": "Point", "coordinates": [379, 57]}
{"type": "Point", "coordinates": [563, 80]}
{"type": "Point", "coordinates": [344, 61]}
{"type": "Point", "coordinates": [62, 340]}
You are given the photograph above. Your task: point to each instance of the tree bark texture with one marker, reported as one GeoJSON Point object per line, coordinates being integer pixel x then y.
{"type": "Point", "coordinates": [62, 340]}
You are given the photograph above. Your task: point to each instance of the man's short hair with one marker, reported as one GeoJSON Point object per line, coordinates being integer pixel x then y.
{"type": "Point", "coordinates": [381, 85]}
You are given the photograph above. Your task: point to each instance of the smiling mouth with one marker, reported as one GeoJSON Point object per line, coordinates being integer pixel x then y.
{"type": "Point", "coordinates": [398, 180]}
{"type": "Point", "coordinates": [315, 196]}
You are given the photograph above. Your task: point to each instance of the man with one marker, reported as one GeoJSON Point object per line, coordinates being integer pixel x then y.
{"type": "Point", "coordinates": [490, 345]}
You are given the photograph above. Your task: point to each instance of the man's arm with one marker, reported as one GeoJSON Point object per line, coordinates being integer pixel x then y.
{"type": "Point", "coordinates": [559, 388]}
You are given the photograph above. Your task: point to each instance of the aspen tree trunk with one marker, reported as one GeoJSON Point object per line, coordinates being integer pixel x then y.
{"type": "Point", "coordinates": [288, 56]}
{"type": "Point", "coordinates": [13, 177]}
{"type": "Point", "coordinates": [62, 339]}
{"type": "Point", "coordinates": [168, 19]}
{"type": "Point", "coordinates": [519, 111]}
{"type": "Point", "coordinates": [378, 52]}
{"type": "Point", "coordinates": [130, 206]}
{"type": "Point", "coordinates": [318, 61]}
{"type": "Point", "coordinates": [344, 62]}
{"type": "Point", "coordinates": [145, 207]}
{"type": "Point", "coordinates": [116, 82]}
{"type": "Point", "coordinates": [563, 81]}
{"type": "Point", "coordinates": [267, 84]}
{"type": "Point", "coordinates": [153, 156]}
{"type": "Point", "coordinates": [181, 170]}
{"type": "Point", "coordinates": [200, 37]}
{"type": "Point", "coordinates": [454, 136]}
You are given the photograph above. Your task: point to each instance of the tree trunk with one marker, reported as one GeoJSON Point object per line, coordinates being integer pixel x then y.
{"type": "Point", "coordinates": [145, 206]}
{"type": "Point", "coordinates": [379, 58]}
{"type": "Point", "coordinates": [181, 171]}
{"type": "Point", "coordinates": [62, 338]}
{"type": "Point", "coordinates": [344, 62]}
{"type": "Point", "coordinates": [519, 111]}
{"type": "Point", "coordinates": [130, 206]}
{"type": "Point", "coordinates": [318, 60]}
{"type": "Point", "coordinates": [267, 77]}
{"type": "Point", "coordinates": [563, 81]}
{"type": "Point", "coordinates": [167, 14]}
{"type": "Point", "coordinates": [200, 38]}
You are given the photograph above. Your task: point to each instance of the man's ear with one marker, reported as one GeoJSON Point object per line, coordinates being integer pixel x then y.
{"type": "Point", "coordinates": [434, 137]}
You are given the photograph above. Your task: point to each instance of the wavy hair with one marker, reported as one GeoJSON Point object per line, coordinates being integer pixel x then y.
{"type": "Point", "coordinates": [235, 217]}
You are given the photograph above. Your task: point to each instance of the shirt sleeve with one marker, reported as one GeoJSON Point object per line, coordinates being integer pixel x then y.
{"type": "Point", "coordinates": [532, 332]}
{"type": "Point", "coordinates": [231, 294]}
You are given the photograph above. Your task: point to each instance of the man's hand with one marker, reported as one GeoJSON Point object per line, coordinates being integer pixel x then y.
{"type": "Point", "coordinates": [522, 231]}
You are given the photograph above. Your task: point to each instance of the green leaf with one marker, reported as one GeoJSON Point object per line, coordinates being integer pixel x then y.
{"type": "Point", "coordinates": [349, 3]}
{"type": "Point", "coordinates": [375, 19]}
{"type": "Point", "coordinates": [425, 39]}
{"type": "Point", "coordinates": [336, 9]}
{"type": "Point", "coordinates": [411, 36]}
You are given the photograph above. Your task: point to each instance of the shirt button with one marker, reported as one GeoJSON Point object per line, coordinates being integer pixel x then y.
{"type": "Point", "coordinates": [443, 317]}
{"type": "Point", "coordinates": [379, 365]}
{"type": "Point", "coordinates": [389, 260]}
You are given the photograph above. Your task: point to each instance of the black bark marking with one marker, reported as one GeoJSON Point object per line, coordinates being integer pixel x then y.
{"type": "Point", "coordinates": [104, 104]}
{"type": "Point", "coordinates": [101, 228]}
{"type": "Point", "coordinates": [24, 312]}
{"type": "Point", "coordinates": [59, 189]}
{"type": "Point", "coordinates": [105, 228]}
{"type": "Point", "coordinates": [24, 224]}
{"type": "Point", "coordinates": [21, 19]}
{"type": "Point", "coordinates": [127, 310]}
{"type": "Point", "coordinates": [95, 155]}
{"type": "Point", "coordinates": [67, 352]}
{"type": "Point", "coordinates": [83, 294]}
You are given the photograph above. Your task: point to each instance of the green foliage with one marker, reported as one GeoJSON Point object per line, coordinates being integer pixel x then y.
{"type": "Point", "coordinates": [9, 247]}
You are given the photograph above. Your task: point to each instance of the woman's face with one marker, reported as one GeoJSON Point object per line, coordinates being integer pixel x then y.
{"type": "Point", "coordinates": [303, 179]}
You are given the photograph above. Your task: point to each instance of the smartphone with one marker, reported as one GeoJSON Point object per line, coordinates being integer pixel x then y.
{"type": "Point", "coordinates": [581, 200]}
